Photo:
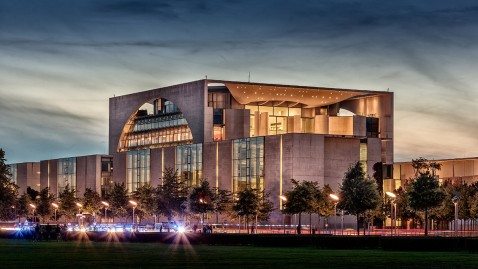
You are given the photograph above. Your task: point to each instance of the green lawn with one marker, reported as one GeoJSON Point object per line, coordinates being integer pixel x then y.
{"type": "Point", "coordinates": [75, 254]}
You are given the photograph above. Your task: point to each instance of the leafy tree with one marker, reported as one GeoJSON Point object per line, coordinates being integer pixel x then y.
{"type": "Point", "coordinates": [34, 194]}
{"type": "Point", "coordinates": [170, 196]}
{"type": "Point", "coordinates": [223, 201]}
{"type": "Point", "coordinates": [202, 199]}
{"type": "Point", "coordinates": [324, 206]}
{"type": "Point", "coordinates": [299, 199]}
{"type": "Point", "coordinates": [118, 198]}
{"type": "Point", "coordinates": [422, 165]}
{"type": "Point", "coordinates": [358, 193]}
{"type": "Point", "coordinates": [23, 205]}
{"type": "Point", "coordinates": [378, 176]}
{"type": "Point", "coordinates": [8, 190]}
{"type": "Point", "coordinates": [404, 211]}
{"type": "Point", "coordinates": [246, 205]}
{"type": "Point", "coordinates": [145, 198]}
{"type": "Point", "coordinates": [67, 202]}
{"type": "Point", "coordinates": [91, 202]}
{"type": "Point", "coordinates": [425, 194]}
{"type": "Point", "coordinates": [43, 206]}
{"type": "Point", "coordinates": [265, 206]}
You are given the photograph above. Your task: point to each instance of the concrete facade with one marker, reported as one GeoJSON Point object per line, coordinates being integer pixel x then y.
{"type": "Point", "coordinates": [460, 170]}
{"type": "Point", "coordinates": [305, 137]}
{"type": "Point", "coordinates": [26, 175]}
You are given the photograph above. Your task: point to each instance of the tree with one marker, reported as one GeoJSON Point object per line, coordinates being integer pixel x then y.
{"type": "Point", "coordinates": [144, 196]}
{"type": "Point", "coordinates": [44, 201]}
{"type": "Point", "coordinates": [404, 211]}
{"type": "Point", "coordinates": [119, 200]}
{"type": "Point", "coordinates": [425, 194]}
{"type": "Point", "coordinates": [170, 196]}
{"type": "Point", "coordinates": [201, 199]}
{"type": "Point", "coordinates": [324, 206]}
{"type": "Point", "coordinates": [8, 190]}
{"type": "Point", "coordinates": [299, 199]}
{"type": "Point", "coordinates": [91, 202]}
{"type": "Point", "coordinates": [265, 206]}
{"type": "Point", "coordinates": [246, 205]}
{"type": "Point", "coordinates": [358, 193]}
{"type": "Point", "coordinates": [23, 205]}
{"type": "Point", "coordinates": [67, 202]}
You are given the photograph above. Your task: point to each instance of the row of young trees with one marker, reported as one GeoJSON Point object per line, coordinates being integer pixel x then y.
{"type": "Point", "coordinates": [421, 199]}
{"type": "Point", "coordinates": [172, 199]}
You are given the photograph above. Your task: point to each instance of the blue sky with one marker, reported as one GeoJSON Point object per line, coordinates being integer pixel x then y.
{"type": "Point", "coordinates": [60, 61]}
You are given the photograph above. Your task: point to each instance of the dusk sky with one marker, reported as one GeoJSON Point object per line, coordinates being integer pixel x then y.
{"type": "Point", "coordinates": [61, 60]}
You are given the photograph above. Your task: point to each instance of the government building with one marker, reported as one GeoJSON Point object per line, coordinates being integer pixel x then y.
{"type": "Point", "coordinates": [233, 134]}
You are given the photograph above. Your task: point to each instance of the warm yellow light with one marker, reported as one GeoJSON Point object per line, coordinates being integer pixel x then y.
{"type": "Point", "coordinates": [54, 205]}
{"type": "Point", "coordinates": [133, 203]}
{"type": "Point", "coordinates": [105, 203]}
{"type": "Point", "coordinates": [391, 194]}
{"type": "Point", "coordinates": [33, 206]}
{"type": "Point", "coordinates": [333, 196]}
{"type": "Point", "coordinates": [283, 198]}
{"type": "Point", "coordinates": [79, 205]}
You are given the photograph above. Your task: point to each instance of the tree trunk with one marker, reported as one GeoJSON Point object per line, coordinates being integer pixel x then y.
{"type": "Point", "coordinates": [318, 224]}
{"type": "Point", "coordinates": [426, 222]}
{"type": "Point", "coordinates": [310, 223]}
{"type": "Point", "coordinates": [299, 225]}
{"type": "Point", "coordinates": [358, 220]}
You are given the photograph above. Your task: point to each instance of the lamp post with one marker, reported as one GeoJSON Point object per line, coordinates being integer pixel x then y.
{"type": "Point", "coordinates": [33, 207]}
{"type": "Point", "coordinates": [336, 199]}
{"type": "Point", "coordinates": [79, 213]}
{"type": "Point", "coordinates": [55, 205]}
{"type": "Point", "coordinates": [106, 204]}
{"type": "Point", "coordinates": [284, 199]}
{"type": "Point", "coordinates": [134, 207]}
{"type": "Point", "coordinates": [393, 211]}
{"type": "Point", "coordinates": [455, 202]}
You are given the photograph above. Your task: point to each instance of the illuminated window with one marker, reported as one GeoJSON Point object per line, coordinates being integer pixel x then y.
{"type": "Point", "coordinates": [138, 169]}
{"type": "Point", "coordinates": [13, 172]}
{"type": "Point", "coordinates": [189, 163]}
{"type": "Point", "coordinates": [66, 174]}
{"type": "Point", "coordinates": [248, 163]}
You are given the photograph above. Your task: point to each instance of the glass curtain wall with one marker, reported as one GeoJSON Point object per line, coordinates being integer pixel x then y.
{"type": "Point", "coordinates": [280, 120]}
{"type": "Point", "coordinates": [248, 163]}
{"type": "Point", "coordinates": [13, 172]}
{"type": "Point", "coordinates": [66, 174]}
{"type": "Point", "coordinates": [138, 169]}
{"type": "Point", "coordinates": [106, 175]}
{"type": "Point", "coordinates": [189, 163]}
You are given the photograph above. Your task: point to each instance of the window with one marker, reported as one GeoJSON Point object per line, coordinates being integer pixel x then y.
{"type": "Point", "coordinates": [66, 174]}
{"type": "Point", "coordinates": [248, 163]}
{"type": "Point", "coordinates": [137, 166]}
{"type": "Point", "coordinates": [189, 163]}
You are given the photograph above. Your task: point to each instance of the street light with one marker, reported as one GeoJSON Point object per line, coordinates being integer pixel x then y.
{"type": "Point", "coordinates": [134, 207]}
{"type": "Point", "coordinates": [106, 204]}
{"type": "Point", "coordinates": [393, 211]}
{"type": "Point", "coordinates": [56, 208]}
{"type": "Point", "coordinates": [336, 199]}
{"type": "Point", "coordinates": [79, 213]}
{"type": "Point", "coordinates": [284, 199]}
{"type": "Point", "coordinates": [33, 207]}
{"type": "Point", "coordinates": [455, 202]}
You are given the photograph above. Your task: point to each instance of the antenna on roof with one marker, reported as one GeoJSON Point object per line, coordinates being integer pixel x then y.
{"type": "Point", "coordinates": [249, 77]}
{"type": "Point", "coordinates": [388, 89]}
{"type": "Point", "coordinates": [206, 76]}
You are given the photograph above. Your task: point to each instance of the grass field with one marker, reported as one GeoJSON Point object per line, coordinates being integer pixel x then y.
{"type": "Point", "coordinates": [76, 254]}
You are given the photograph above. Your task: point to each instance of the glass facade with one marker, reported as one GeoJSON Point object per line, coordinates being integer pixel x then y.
{"type": "Point", "coordinates": [248, 163]}
{"type": "Point", "coordinates": [189, 163]}
{"type": "Point", "coordinates": [66, 174]}
{"type": "Point", "coordinates": [268, 120]}
{"type": "Point", "coordinates": [165, 126]}
{"type": "Point", "coordinates": [137, 169]}
{"type": "Point", "coordinates": [13, 172]}
{"type": "Point", "coordinates": [106, 175]}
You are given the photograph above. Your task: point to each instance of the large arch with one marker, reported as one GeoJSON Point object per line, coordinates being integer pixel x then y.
{"type": "Point", "coordinates": [189, 97]}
